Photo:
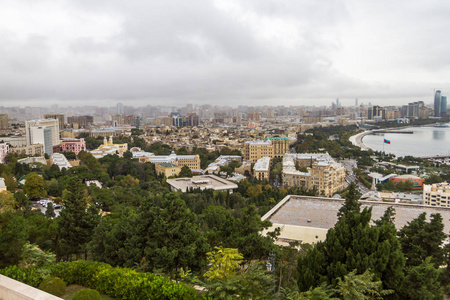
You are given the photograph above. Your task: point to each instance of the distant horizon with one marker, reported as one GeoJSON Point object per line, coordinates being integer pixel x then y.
{"type": "Point", "coordinates": [102, 104]}
{"type": "Point", "coordinates": [257, 53]}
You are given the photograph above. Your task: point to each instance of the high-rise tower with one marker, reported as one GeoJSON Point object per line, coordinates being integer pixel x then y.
{"type": "Point", "coordinates": [437, 104]}
{"type": "Point", "coordinates": [119, 108]}
{"type": "Point", "coordinates": [443, 105]}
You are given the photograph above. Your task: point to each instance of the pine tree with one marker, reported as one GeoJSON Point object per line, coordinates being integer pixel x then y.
{"type": "Point", "coordinates": [421, 239]}
{"type": "Point", "coordinates": [76, 224]}
{"type": "Point", "coordinates": [50, 211]}
{"type": "Point", "coordinates": [354, 244]}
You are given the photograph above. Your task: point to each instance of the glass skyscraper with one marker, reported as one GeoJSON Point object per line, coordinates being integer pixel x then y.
{"type": "Point", "coordinates": [443, 105]}
{"type": "Point", "coordinates": [437, 103]}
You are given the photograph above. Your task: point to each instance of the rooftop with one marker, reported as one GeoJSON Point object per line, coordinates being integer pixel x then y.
{"type": "Point", "coordinates": [321, 212]}
{"type": "Point", "coordinates": [262, 164]}
{"type": "Point", "coordinates": [203, 182]}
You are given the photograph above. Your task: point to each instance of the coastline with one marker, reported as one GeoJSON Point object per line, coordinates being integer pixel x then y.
{"type": "Point", "coordinates": [357, 139]}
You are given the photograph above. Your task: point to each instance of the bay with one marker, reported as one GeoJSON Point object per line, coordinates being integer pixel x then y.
{"type": "Point", "coordinates": [424, 141]}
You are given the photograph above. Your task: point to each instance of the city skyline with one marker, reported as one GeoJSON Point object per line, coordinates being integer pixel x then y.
{"type": "Point", "coordinates": [255, 53]}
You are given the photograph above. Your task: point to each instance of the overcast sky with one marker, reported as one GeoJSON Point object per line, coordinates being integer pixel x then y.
{"type": "Point", "coordinates": [226, 52]}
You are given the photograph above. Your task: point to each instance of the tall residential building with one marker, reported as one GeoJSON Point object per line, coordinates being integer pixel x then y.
{"type": "Point", "coordinates": [80, 121]}
{"type": "Point", "coordinates": [320, 171]}
{"type": "Point", "coordinates": [51, 124]}
{"type": "Point", "coordinates": [193, 120]}
{"type": "Point", "coordinates": [437, 103]}
{"type": "Point", "coordinates": [4, 124]}
{"type": "Point", "coordinates": [253, 116]}
{"type": "Point", "coordinates": [42, 135]}
{"type": "Point", "coordinates": [119, 108]}
{"type": "Point", "coordinates": [443, 105]}
{"type": "Point", "coordinates": [271, 113]}
{"type": "Point", "coordinates": [59, 117]}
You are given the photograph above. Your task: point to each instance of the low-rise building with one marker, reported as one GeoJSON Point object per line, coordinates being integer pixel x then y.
{"type": "Point", "coordinates": [261, 170]}
{"type": "Point", "coordinates": [31, 150]}
{"type": "Point", "coordinates": [417, 182]}
{"type": "Point", "coordinates": [33, 160]}
{"type": "Point", "coordinates": [246, 166]}
{"type": "Point", "coordinates": [60, 160]}
{"type": "Point", "coordinates": [201, 182]}
{"type": "Point", "coordinates": [437, 194]}
{"type": "Point", "coordinates": [73, 145]}
{"type": "Point", "coordinates": [192, 161]}
{"type": "Point", "coordinates": [167, 169]}
{"type": "Point", "coordinates": [307, 219]}
{"type": "Point", "coordinates": [109, 147]}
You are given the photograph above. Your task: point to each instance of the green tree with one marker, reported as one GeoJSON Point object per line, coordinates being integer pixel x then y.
{"type": "Point", "coordinates": [127, 154]}
{"type": "Point", "coordinates": [34, 186]}
{"type": "Point", "coordinates": [423, 282]}
{"type": "Point", "coordinates": [224, 263]}
{"type": "Point", "coordinates": [7, 202]}
{"type": "Point", "coordinates": [420, 239]}
{"type": "Point", "coordinates": [354, 244]}
{"type": "Point", "coordinates": [50, 211]}
{"type": "Point", "coordinates": [171, 236]}
{"type": "Point", "coordinates": [10, 182]}
{"type": "Point", "coordinates": [13, 235]}
{"type": "Point", "coordinates": [22, 200]}
{"type": "Point", "coordinates": [76, 222]}
{"type": "Point", "coordinates": [360, 286]}
{"type": "Point", "coordinates": [185, 172]}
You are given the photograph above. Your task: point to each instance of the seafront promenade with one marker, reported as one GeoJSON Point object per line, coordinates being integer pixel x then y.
{"type": "Point", "coordinates": [357, 139]}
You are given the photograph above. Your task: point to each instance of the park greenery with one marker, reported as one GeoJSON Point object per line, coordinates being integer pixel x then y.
{"type": "Point", "coordinates": [165, 242]}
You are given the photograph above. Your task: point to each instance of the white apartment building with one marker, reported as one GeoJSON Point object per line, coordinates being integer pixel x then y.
{"type": "Point", "coordinates": [34, 131]}
{"type": "Point", "coordinates": [437, 194]}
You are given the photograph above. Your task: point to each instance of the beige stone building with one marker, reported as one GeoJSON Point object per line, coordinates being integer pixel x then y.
{"type": "Point", "coordinates": [4, 124]}
{"type": "Point", "coordinates": [270, 147]}
{"type": "Point", "coordinates": [261, 170]}
{"type": "Point", "coordinates": [32, 150]}
{"type": "Point", "coordinates": [59, 117]}
{"type": "Point", "coordinates": [167, 169]}
{"type": "Point", "coordinates": [320, 171]}
{"type": "Point", "coordinates": [437, 194]}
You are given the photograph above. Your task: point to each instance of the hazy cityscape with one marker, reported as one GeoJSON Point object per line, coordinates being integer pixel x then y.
{"type": "Point", "coordinates": [224, 150]}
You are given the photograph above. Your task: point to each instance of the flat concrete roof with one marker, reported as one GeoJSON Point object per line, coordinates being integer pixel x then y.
{"type": "Point", "coordinates": [203, 182]}
{"type": "Point", "coordinates": [313, 213]}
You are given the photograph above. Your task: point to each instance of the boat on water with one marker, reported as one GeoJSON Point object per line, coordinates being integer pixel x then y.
{"type": "Point", "coordinates": [441, 125]}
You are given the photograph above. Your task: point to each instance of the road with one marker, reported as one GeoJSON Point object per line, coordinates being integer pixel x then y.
{"type": "Point", "coordinates": [349, 165]}
{"type": "Point", "coordinates": [36, 205]}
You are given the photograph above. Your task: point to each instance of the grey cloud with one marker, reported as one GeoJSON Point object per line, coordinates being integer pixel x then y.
{"type": "Point", "coordinates": [173, 51]}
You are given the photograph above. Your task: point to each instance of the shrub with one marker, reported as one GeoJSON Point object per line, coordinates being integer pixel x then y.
{"type": "Point", "coordinates": [121, 283]}
{"type": "Point", "coordinates": [87, 294]}
{"type": "Point", "coordinates": [31, 275]}
{"type": "Point", "coordinates": [53, 285]}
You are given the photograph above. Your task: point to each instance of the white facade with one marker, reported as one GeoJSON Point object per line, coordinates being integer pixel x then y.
{"type": "Point", "coordinates": [43, 136]}
{"type": "Point", "coordinates": [53, 124]}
